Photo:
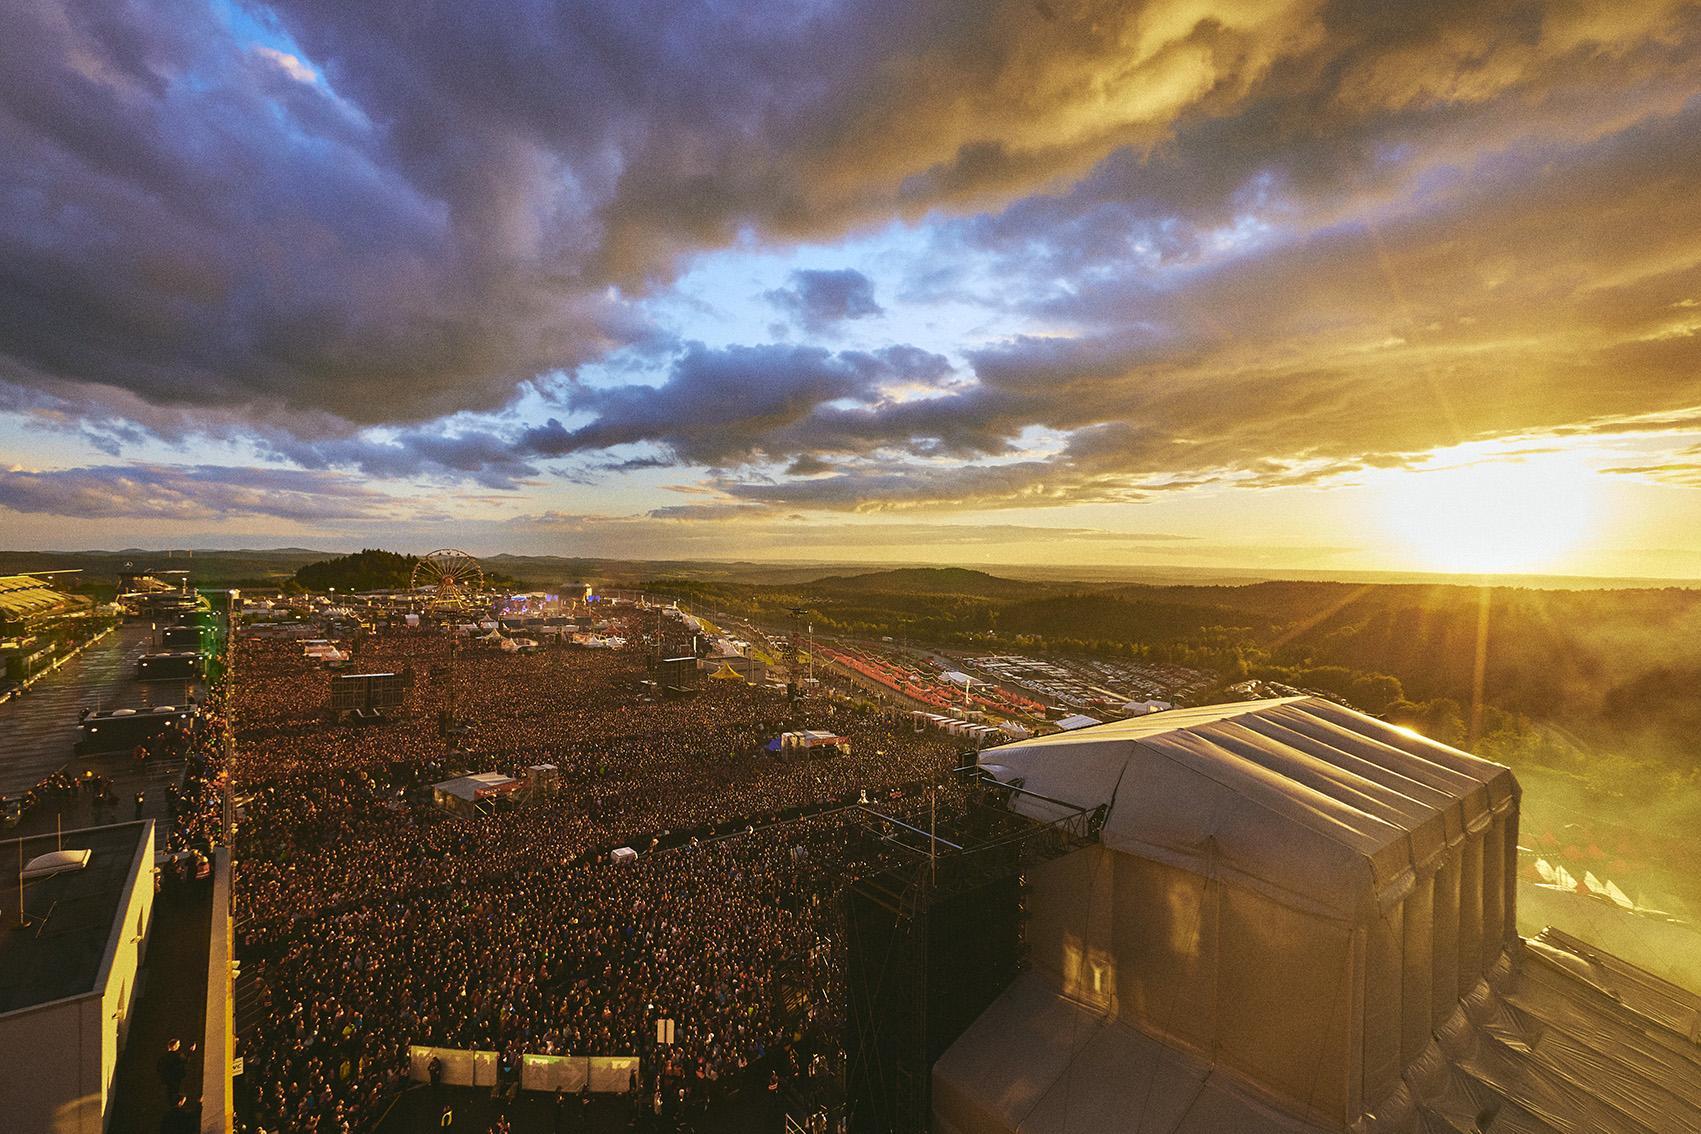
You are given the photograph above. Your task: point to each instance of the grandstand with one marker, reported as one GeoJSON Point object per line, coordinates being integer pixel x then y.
{"type": "Point", "coordinates": [39, 624]}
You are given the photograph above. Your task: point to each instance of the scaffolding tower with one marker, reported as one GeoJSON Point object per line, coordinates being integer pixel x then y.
{"type": "Point", "coordinates": [936, 932]}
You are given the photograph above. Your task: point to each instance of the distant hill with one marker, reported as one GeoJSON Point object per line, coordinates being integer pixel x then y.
{"type": "Point", "coordinates": [371, 569]}
{"type": "Point", "coordinates": [1117, 619]}
{"type": "Point", "coordinates": [927, 581]}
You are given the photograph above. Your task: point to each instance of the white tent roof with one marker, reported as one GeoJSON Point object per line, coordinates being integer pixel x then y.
{"type": "Point", "coordinates": [1075, 721]}
{"type": "Point", "coordinates": [1312, 803]}
{"type": "Point", "coordinates": [1303, 919]}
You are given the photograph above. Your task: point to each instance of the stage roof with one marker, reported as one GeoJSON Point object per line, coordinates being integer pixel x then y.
{"type": "Point", "coordinates": [1320, 807]}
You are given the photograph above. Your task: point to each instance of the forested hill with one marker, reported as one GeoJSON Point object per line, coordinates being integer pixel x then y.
{"type": "Point", "coordinates": [372, 569]}
{"type": "Point", "coordinates": [1134, 619]}
{"type": "Point", "coordinates": [928, 581]}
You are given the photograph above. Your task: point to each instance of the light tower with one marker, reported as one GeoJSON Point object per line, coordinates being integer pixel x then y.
{"type": "Point", "coordinates": [794, 648]}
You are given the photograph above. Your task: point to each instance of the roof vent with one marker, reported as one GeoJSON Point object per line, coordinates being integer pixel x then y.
{"type": "Point", "coordinates": [55, 862]}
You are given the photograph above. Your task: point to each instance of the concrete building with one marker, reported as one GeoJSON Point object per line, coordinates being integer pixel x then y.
{"type": "Point", "coordinates": [68, 977]}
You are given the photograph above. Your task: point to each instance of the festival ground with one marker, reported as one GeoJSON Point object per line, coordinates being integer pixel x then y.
{"type": "Point", "coordinates": [476, 1110]}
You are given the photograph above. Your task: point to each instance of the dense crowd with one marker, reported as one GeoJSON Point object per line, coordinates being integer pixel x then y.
{"type": "Point", "coordinates": [188, 756]}
{"type": "Point", "coordinates": [370, 920]}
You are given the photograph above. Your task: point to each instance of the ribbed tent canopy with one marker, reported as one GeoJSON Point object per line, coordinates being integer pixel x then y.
{"type": "Point", "coordinates": [1320, 806]}
{"type": "Point", "coordinates": [1288, 901]}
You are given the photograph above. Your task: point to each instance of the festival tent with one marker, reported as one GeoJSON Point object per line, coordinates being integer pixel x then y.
{"type": "Point", "coordinates": [725, 673]}
{"type": "Point", "coordinates": [1287, 901]}
{"type": "Point", "coordinates": [1075, 721]}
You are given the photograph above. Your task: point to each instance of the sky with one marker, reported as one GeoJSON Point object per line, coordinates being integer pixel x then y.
{"type": "Point", "coordinates": [1297, 285]}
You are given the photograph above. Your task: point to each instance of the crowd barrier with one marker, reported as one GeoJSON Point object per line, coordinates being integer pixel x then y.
{"type": "Point", "coordinates": [606, 1074]}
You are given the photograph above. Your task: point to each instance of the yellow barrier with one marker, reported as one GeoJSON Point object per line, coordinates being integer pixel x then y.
{"type": "Point", "coordinates": [606, 1074]}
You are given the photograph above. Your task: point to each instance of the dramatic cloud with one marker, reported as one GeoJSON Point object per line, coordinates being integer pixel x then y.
{"type": "Point", "coordinates": [821, 299]}
{"type": "Point", "coordinates": [189, 492]}
{"type": "Point", "coordinates": [408, 211]}
{"type": "Point", "coordinates": [1143, 246]}
{"type": "Point", "coordinates": [726, 405]}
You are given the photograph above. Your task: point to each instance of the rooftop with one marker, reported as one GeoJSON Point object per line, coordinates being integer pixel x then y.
{"type": "Point", "coordinates": [1297, 797]}
{"type": "Point", "coordinates": [60, 953]}
{"type": "Point", "coordinates": [22, 596]}
{"type": "Point", "coordinates": [469, 787]}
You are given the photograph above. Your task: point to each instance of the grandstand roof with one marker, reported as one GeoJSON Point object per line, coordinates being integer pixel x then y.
{"type": "Point", "coordinates": [1325, 809]}
{"type": "Point", "coordinates": [24, 596]}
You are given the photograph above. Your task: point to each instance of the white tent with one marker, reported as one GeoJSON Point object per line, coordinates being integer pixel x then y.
{"type": "Point", "coordinates": [1075, 721]}
{"type": "Point", "coordinates": [1288, 897]}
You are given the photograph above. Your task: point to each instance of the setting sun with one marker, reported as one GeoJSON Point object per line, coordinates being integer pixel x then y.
{"type": "Point", "coordinates": [1495, 514]}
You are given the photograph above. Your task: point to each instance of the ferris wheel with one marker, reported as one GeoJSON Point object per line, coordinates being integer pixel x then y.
{"type": "Point", "coordinates": [447, 577]}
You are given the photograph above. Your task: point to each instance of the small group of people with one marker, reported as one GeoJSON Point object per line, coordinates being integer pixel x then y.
{"type": "Point", "coordinates": [183, 1111]}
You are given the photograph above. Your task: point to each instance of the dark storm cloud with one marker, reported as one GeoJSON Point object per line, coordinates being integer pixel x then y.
{"type": "Point", "coordinates": [725, 404]}
{"type": "Point", "coordinates": [189, 492]}
{"type": "Point", "coordinates": [426, 204]}
{"type": "Point", "coordinates": [479, 455]}
{"type": "Point", "coordinates": [186, 222]}
{"type": "Point", "coordinates": [820, 300]}
{"type": "Point", "coordinates": [1266, 242]}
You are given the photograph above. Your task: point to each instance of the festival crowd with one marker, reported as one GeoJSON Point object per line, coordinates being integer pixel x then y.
{"type": "Point", "coordinates": [368, 919]}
